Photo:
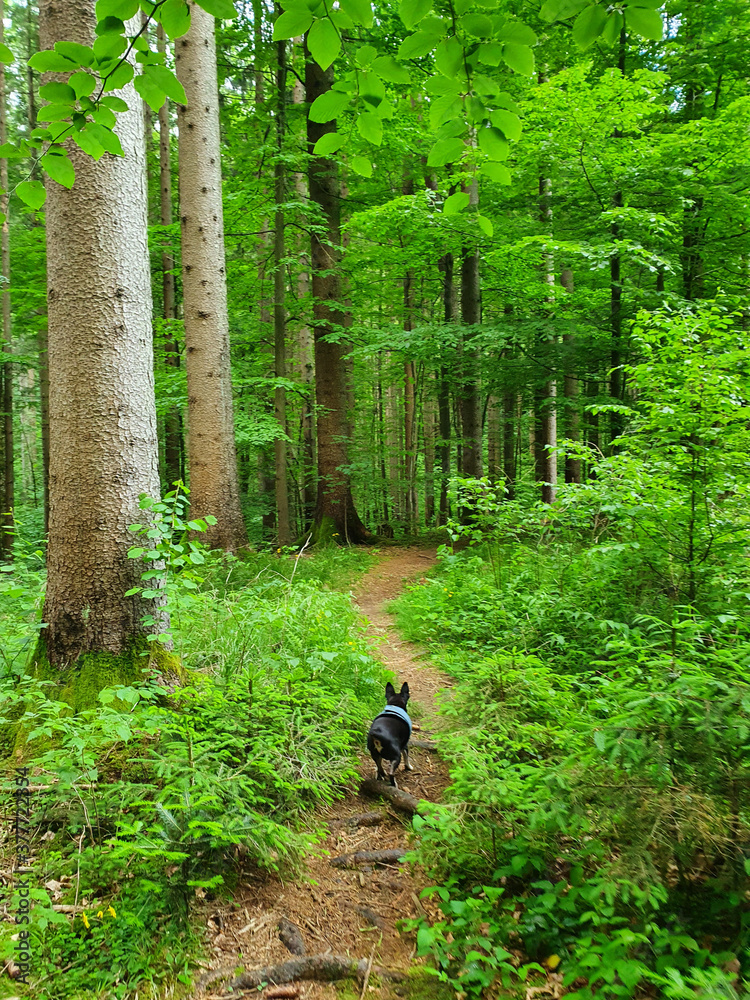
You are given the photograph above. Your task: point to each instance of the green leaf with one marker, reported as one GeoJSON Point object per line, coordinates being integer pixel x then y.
{"type": "Point", "coordinates": [168, 82]}
{"type": "Point", "coordinates": [223, 9]}
{"type": "Point", "coordinates": [83, 84]}
{"type": "Point", "coordinates": [508, 123]}
{"type": "Point", "coordinates": [6, 56]}
{"type": "Point", "coordinates": [485, 225]}
{"type": "Point", "coordinates": [115, 103]}
{"type": "Point", "coordinates": [104, 116]}
{"type": "Point", "coordinates": [55, 113]}
{"type": "Point", "coordinates": [456, 203]}
{"type": "Point", "coordinates": [59, 168]}
{"type": "Point", "coordinates": [210, 519]}
{"type": "Point", "coordinates": [107, 138]}
{"type": "Point", "coordinates": [493, 143]}
{"type": "Point", "coordinates": [411, 12]}
{"type": "Point", "coordinates": [328, 143]}
{"type": "Point", "coordinates": [31, 193]}
{"type": "Point", "coordinates": [445, 151]}
{"type": "Point", "coordinates": [109, 46]}
{"type": "Point", "coordinates": [124, 9]}
{"type": "Point", "coordinates": [446, 108]}
{"type": "Point", "coordinates": [388, 69]}
{"type": "Point", "coordinates": [81, 54]}
{"type": "Point", "coordinates": [292, 23]}
{"type": "Point", "coordinates": [477, 24]}
{"type": "Point", "coordinates": [51, 62]}
{"type": "Point", "coordinates": [612, 29]}
{"type": "Point", "coordinates": [520, 58]}
{"type": "Point", "coordinates": [324, 42]}
{"type": "Point", "coordinates": [644, 22]}
{"type": "Point", "coordinates": [365, 55]}
{"type": "Point", "coordinates": [516, 31]}
{"type": "Point", "coordinates": [86, 141]}
{"type": "Point", "coordinates": [558, 10]}
{"type": "Point", "coordinates": [328, 106]}
{"type": "Point", "coordinates": [490, 54]}
{"type": "Point", "coordinates": [361, 165]}
{"type": "Point", "coordinates": [57, 93]}
{"type": "Point", "coordinates": [360, 11]}
{"type": "Point", "coordinates": [370, 127]}
{"type": "Point", "coordinates": [120, 76]}
{"type": "Point", "coordinates": [109, 26]}
{"type": "Point", "coordinates": [175, 18]}
{"type": "Point", "coordinates": [150, 91]}
{"type": "Point", "coordinates": [8, 150]}
{"type": "Point", "coordinates": [449, 57]}
{"type": "Point", "coordinates": [589, 25]}
{"type": "Point", "coordinates": [415, 46]}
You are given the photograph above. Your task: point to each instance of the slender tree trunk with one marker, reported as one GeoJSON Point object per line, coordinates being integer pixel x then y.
{"type": "Point", "coordinates": [104, 450]}
{"type": "Point", "coordinates": [430, 428]}
{"type": "Point", "coordinates": [571, 390]}
{"type": "Point", "coordinates": [509, 444]}
{"type": "Point", "coordinates": [443, 394]}
{"type": "Point", "coordinates": [212, 458]}
{"type": "Point", "coordinates": [471, 400]}
{"type": "Point", "coordinates": [335, 513]}
{"type": "Point", "coordinates": [7, 497]}
{"type": "Point", "coordinates": [173, 444]}
{"type": "Point", "coordinates": [283, 528]}
{"type": "Point", "coordinates": [547, 417]}
{"type": "Point", "coordinates": [493, 438]}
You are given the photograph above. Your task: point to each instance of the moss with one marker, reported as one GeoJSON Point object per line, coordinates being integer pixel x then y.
{"type": "Point", "coordinates": [326, 533]}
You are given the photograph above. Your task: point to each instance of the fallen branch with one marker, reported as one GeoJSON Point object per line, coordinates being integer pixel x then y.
{"type": "Point", "coordinates": [368, 858]}
{"type": "Point", "coordinates": [374, 818]}
{"type": "Point", "coordinates": [424, 745]}
{"type": "Point", "coordinates": [321, 968]}
{"type": "Point", "coordinates": [399, 800]}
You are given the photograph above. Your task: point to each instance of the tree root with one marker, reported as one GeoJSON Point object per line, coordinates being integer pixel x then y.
{"type": "Point", "coordinates": [423, 745]}
{"type": "Point", "coordinates": [321, 968]}
{"type": "Point", "coordinates": [374, 818]}
{"type": "Point", "coordinates": [368, 857]}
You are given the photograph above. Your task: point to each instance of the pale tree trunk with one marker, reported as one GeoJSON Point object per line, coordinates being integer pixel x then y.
{"type": "Point", "coordinates": [395, 449]}
{"type": "Point", "coordinates": [547, 420]}
{"type": "Point", "coordinates": [103, 442]}
{"type": "Point", "coordinates": [212, 458]}
{"type": "Point", "coordinates": [572, 391]}
{"type": "Point", "coordinates": [173, 446]}
{"type": "Point", "coordinates": [430, 432]}
{"type": "Point", "coordinates": [510, 415]}
{"type": "Point", "coordinates": [471, 402]}
{"type": "Point", "coordinates": [335, 513]}
{"type": "Point", "coordinates": [283, 529]}
{"type": "Point", "coordinates": [410, 394]}
{"type": "Point", "coordinates": [7, 496]}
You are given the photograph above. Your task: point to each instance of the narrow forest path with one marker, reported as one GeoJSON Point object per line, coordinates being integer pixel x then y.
{"type": "Point", "coordinates": [346, 911]}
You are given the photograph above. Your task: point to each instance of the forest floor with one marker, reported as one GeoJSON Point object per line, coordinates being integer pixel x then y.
{"type": "Point", "coordinates": [354, 913]}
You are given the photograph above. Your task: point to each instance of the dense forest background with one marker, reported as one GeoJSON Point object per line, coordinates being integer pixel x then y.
{"type": "Point", "coordinates": [307, 278]}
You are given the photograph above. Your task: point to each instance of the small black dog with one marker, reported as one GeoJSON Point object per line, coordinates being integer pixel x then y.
{"type": "Point", "coordinates": [390, 732]}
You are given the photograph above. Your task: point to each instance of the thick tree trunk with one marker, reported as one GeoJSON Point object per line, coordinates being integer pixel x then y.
{"type": "Point", "coordinates": [335, 513]}
{"type": "Point", "coordinates": [173, 444]}
{"type": "Point", "coordinates": [103, 443]}
{"type": "Point", "coordinates": [212, 458]}
{"type": "Point", "coordinates": [283, 528]}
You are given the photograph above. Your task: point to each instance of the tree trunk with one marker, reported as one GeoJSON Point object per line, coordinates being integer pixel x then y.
{"type": "Point", "coordinates": [334, 513]}
{"type": "Point", "coordinates": [571, 391]}
{"type": "Point", "coordinates": [446, 265]}
{"type": "Point", "coordinates": [430, 427]}
{"type": "Point", "coordinates": [212, 458]}
{"type": "Point", "coordinates": [7, 495]}
{"type": "Point", "coordinates": [547, 418]}
{"type": "Point", "coordinates": [283, 528]}
{"type": "Point", "coordinates": [103, 442]}
{"type": "Point", "coordinates": [509, 444]}
{"type": "Point", "coordinates": [471, 402]}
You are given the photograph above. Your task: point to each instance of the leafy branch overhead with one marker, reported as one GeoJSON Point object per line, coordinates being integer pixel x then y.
{"type": "Point", "coordinates": [458, 51]}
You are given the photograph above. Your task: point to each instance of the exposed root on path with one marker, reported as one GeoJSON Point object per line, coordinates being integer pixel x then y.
{"type": "Point", "coordinates": [349, 916]}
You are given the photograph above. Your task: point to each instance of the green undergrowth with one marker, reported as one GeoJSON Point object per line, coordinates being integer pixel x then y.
{"type": "Point", "coordinates": [598, 820]}
{"type": "Point", "coordinates": [159, 794]}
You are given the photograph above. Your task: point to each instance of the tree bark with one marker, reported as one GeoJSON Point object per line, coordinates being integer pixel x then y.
{"type": "Point", "coordinates": [212, 458]}
{"type": "Point", "coordinates": [571, 391]}
{"type": "Point", "coordinates": [283, 528]}
{"type": "Point", "coordinates": [335, 513]}
{"type": "Point", "coordinates": [547, 418]}
{"type": "Point", "coordinates": [471, 402]}
{"type": "Point", "coordinates": [103, 442]}
{"type": "Point", "coordinates": [446, 265]}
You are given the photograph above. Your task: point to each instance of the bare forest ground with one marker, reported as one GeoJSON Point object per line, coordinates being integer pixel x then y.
{"type": "Point", "coordinates": [350, 912]}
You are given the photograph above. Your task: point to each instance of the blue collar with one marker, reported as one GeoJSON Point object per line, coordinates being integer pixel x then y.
{"type": "Point", "coordinates": [401, 713]}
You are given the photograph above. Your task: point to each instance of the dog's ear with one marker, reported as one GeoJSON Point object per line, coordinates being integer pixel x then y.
{"type": "Point", "coordinates": [390, 691]}
{"type": "Point", "coordinates": [405, 691]}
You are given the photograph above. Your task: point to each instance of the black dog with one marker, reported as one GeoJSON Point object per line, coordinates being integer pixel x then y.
{"type": "Point", "coordinates": [390, 732]}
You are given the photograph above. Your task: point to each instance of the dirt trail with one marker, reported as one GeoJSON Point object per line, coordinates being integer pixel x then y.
{"type": "Point", "coordinates": [345, 911]}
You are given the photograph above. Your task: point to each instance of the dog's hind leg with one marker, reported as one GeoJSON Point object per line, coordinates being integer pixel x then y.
{"type": "Point", "coordinates": [379, 765]}
{"type": "Point", "coordinates": [407, 765]}
{"type": "Point", "coordinates": [394, 768]}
